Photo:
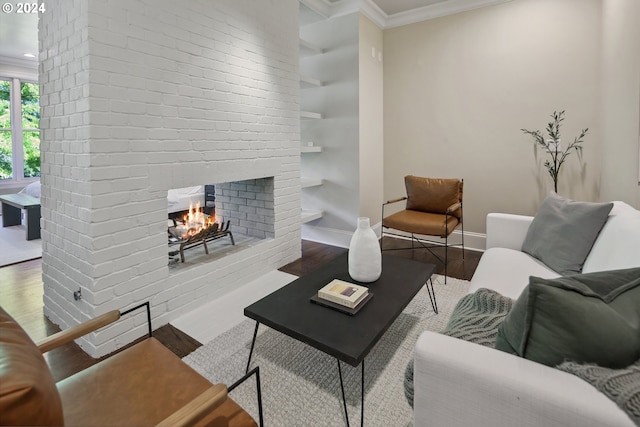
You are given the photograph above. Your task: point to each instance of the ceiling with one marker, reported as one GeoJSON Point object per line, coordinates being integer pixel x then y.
{"type": "Point", "coordinates": [19, 35]}
{"type": "Point", "coordinates": [19, 32]}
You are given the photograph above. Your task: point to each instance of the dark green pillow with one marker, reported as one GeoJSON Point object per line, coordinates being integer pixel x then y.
{"type": "Point", "coordinates": [563, 232]}
{"type": "Point", "coordinates": [585, 318]}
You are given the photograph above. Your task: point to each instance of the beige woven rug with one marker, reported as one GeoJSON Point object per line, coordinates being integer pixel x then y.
{"type": "Point", "coordinates": [300, 385]}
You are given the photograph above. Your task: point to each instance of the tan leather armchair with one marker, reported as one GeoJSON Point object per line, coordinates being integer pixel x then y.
{"type": "Point", "coordinates": [433, 208]}
{"type": "Point", "coordinates": [143, 385]}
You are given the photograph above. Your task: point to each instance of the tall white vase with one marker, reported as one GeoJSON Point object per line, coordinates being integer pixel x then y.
{"type": "Point", "coordinates": [365, 256]}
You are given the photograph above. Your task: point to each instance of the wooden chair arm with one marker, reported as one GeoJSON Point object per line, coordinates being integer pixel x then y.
{"type": "Point", "coordinates": [399, 199]}
{"type": "Point", "coordinates": [454, 207]}
{"type": "Point", "coordinates": [68, 335]}
{"type": "Point", "coordinates": [198, 408]}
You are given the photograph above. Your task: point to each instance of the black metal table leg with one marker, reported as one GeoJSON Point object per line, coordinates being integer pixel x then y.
{"type": "Point", "coordinates": [344, 400]}
{"type": "Point", "coordinates": [253, 343]}
{"type": "Point", "coordinates": [432, 296]}
{"type": "Point", "coordinates": [362, 396]}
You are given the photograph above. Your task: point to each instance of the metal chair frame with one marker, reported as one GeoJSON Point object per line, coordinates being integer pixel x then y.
{"type": "Point", "coordinates": [255, 371]}
{"type": "Point", "coordinates": [422, 241]}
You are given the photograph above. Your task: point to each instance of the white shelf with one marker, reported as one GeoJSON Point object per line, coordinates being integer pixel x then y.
{"type": "Point", "coordinates": [306, 183]}
{"type": "Point", "coordinates": [311, 11]}
{"type": "Point", "coordinates": [312, 149]}
{"type": "Point", "coordinates": [310, 48]}
{"type": "Point", "coordinates": [306, 81]}
{"type": "Point", "coordinates": [310, 115]}
{"type": "Point", "coordinates": [308, 215]}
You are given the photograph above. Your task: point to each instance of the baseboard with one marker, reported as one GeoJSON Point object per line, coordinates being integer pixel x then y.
{"type": "Point", "coordinates": [341, 238]}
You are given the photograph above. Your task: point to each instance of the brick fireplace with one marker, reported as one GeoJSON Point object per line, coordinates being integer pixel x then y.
{"type": "Point", "coordinates": [243, 208]}
{"type": "Point", "coordinates": [139, 97]}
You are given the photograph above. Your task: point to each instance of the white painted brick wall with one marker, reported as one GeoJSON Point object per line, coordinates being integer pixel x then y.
{"type": "Point", "coordinates": [140, 96]}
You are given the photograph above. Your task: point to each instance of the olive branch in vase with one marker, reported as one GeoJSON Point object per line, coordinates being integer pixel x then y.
{"type": "Point", "coordinates": [552, 145]}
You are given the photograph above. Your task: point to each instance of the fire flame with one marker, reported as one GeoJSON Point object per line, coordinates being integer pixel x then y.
{"type": "Point", "coordinates": [195, 220]}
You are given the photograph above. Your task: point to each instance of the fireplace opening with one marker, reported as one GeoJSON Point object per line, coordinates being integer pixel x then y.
{"type": "Point", "coordinates": [209, 221]}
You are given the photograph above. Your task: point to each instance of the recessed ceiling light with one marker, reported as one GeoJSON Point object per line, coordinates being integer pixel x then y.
{"type": "Point", "coordinates": [29, 55]}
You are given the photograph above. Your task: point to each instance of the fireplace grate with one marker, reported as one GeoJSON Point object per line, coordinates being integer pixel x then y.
{"type": "Point", "coordinates": [213, 232]}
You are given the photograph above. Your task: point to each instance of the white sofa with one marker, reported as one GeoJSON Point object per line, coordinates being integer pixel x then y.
{"type": "Point", "coordinates": [181, 199]}
{"type": "Point", "coordinates": [32, 189]}
{"type": "Point", "coordinates": [458, 383]}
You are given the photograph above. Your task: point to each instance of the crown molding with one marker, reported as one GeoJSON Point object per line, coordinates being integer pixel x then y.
{"type": "Point", "coordinates": [436, 11]}
{"type": "Point", "coordinates": [374, 13]}
{"type": "Point", "coordinates": [321, 7]}
{"type": "Point", "coordinates": [367, 7]}
{"type": "Point", "coordinates": [385, 21]}
{"type": "Point", "coordinates": [344, 7]}
{"type": "Point", "coordinates": [26, 64]}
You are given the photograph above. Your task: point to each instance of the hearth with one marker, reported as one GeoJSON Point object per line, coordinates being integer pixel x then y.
{"type": "Point", "coordinates": [240, 210]}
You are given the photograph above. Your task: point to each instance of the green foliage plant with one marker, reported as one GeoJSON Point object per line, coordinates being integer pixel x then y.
{"type": "Point", "coordinates": [552, 145]}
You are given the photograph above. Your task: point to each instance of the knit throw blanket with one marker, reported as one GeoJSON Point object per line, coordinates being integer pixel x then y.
{"type": "Point", "coordinates": [620, 385]}
{"type": "Point", "coordinates": [476, 318]}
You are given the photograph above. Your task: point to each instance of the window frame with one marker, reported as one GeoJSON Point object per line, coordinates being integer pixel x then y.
{"type": "Point", "coordinates": [17, 134]}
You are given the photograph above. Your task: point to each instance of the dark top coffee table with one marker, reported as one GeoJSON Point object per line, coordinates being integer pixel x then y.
{"type": "Point", "coordinates": [348, 338]}
{"type": "Point", "coordinates": [12, 205]}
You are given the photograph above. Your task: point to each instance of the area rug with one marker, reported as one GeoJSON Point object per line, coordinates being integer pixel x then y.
{"type": "Point", "coordinates": [300, 385]}
{"type": "Point", "coordinates": [15, 248]}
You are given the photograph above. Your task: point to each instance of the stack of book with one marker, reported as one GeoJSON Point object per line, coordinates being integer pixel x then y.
{"type": "Point", "coordinates": [344, 294]}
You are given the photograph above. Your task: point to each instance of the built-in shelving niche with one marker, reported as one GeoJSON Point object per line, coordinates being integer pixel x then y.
{"type": "Point", "coordinates": [308, 15]}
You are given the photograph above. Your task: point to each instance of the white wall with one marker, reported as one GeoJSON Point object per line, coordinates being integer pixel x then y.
{"type": "Point", "coordinates": [458, 89]}
{"type": "Point", "coordinates": [621, 100]}
{"type": "Point", "coordinates": [371, 147]}
{"type": "Point", "coordinates": [141, 96]}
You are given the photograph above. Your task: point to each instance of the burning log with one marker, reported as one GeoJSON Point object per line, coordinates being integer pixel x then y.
{"type": "Point", "coordinates": [197, 230]}
{"type": "Point", "coordinates": [203, 236]}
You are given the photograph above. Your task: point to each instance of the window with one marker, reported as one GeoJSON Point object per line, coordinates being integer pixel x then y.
{"type": "Point", "coordinates": [19, 130]}
{"type": "Point", "coordinates": [6, 145]}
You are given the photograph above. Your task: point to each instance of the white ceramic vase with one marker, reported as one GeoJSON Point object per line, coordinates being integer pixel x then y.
{"type": "Point", "coordinates": [365, 256]}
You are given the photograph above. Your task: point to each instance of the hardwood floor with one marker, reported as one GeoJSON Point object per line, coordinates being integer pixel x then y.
{"type": "Point", "coordinates": [458, 267]}
{"type": "Point", "coordinates": [313, 256]}
{"type": "Point", "coordinates": [21, 296]}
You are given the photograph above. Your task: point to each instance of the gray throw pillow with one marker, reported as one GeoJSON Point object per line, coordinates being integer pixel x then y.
{"type": "Point", "coordinates": [563, 232]}
{"type": "Point", "coordinates": [585, 318]}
